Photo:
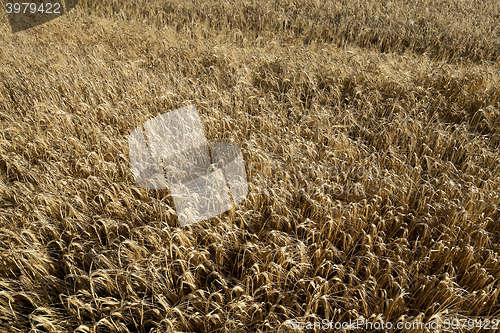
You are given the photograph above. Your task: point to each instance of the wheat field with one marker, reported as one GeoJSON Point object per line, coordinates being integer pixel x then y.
{"type": "Point", "coordinates": [370, 132]}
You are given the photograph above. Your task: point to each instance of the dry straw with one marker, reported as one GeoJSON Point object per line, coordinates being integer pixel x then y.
{"type": "Point", "coordinates": [370, 130]}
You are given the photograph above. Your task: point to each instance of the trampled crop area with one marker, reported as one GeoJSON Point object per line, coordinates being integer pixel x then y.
{"type": "Point", "coordinates": [370, 132]}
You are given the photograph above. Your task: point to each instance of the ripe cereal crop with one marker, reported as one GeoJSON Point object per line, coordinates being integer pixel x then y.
{"type": "Point", "coordinates": [370, 132]}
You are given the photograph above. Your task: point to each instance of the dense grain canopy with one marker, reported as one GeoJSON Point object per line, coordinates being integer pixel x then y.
{"type": "Point", "coordinates": [370, 132]}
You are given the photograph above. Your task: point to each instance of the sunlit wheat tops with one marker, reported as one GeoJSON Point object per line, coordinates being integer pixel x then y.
{"type": "Point", "coordinates": [370, 135]}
